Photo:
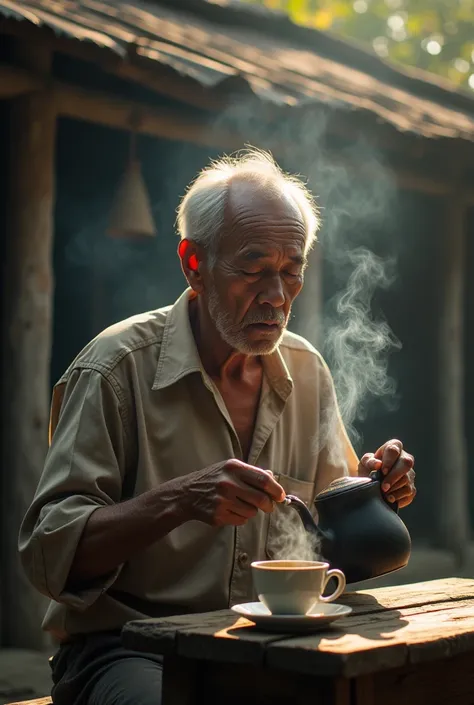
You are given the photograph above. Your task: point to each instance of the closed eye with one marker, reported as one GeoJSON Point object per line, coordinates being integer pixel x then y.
{"type": "Point", "coordinates": [291, 275]}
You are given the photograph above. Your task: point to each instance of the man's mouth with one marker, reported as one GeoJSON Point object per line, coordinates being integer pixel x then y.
{"type": "Point", "coordinates": [265, 326]}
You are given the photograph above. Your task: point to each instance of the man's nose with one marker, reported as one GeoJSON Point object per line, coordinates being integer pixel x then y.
{"type": "Point", "coordinates": [272, 293]}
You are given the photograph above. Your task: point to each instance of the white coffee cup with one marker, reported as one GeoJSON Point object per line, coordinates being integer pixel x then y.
{"type": "Point", "coordinates": [294, 587]}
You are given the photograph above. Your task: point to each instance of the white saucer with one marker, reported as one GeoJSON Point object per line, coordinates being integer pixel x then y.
{"type": "Point", "coordinates": [320, 616]}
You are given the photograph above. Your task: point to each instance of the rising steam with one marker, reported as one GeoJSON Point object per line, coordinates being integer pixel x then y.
{"type": "Point", "coordinates": [356, 193]}
{"type": "Point", "coordinates": [356, 343]}
{"type": "Point", "coordinates": [289, 540]}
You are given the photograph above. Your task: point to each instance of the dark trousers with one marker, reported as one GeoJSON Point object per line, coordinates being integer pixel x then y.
{"type": "Point", "coordinates": [97, 670]}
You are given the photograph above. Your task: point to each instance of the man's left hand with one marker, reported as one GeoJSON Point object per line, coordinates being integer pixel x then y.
{"type": "Point", "coordinates": [397, 467]}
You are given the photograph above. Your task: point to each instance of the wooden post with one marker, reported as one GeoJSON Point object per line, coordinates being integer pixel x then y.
{"type": "Point", "coordinates": [27, 325]}
{"type": "Point", "coordinates": [453, 503]}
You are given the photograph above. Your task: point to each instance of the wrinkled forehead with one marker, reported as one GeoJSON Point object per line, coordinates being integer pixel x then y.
{"type": "Point", "coordinates": [254, 199]}
{"type": "Point", "coordinates": [255, 211]}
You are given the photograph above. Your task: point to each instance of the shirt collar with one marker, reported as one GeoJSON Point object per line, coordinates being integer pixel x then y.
{"type": "Point", "coordinates": [179, 354]}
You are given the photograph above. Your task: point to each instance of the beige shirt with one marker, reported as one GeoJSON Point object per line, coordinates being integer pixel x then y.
{"type": "Point", "coordinates": [136, 409]}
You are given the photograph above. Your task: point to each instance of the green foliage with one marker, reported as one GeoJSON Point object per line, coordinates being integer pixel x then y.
{"type": "Point", "coordinates": [434, 35]}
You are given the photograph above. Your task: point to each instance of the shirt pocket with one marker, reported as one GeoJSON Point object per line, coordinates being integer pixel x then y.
{"type": "Point", "coordinates": [287, 538]}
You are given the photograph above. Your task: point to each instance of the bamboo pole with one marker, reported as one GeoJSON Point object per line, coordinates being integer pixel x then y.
{"type": "Point", "coordinates": [27, 321]}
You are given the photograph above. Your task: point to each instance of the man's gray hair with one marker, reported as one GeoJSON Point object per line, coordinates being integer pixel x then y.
{"type": "Point", "coordinates": [201, 211]}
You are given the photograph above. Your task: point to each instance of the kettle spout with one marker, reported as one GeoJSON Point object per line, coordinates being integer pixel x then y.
{"type": "Point", "coordinates": [305, 516]}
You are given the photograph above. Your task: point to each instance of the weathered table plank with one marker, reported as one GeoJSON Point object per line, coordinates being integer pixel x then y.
{"type": "Point", "coordinates": [401, 644]}
{"type": "Point", "coordinates": [361, 645]}
{"type": "Point", "coordinates": [160, 635]}
{"type": "Point", "coordinates": [186, 638]}
{"type": "Point", "coordinates": [200, 635]}
{"type": "Point", "coordinates": [397, 597]}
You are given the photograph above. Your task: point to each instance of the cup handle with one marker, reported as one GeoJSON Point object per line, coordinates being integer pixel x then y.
{"type": "Point", "coordinates": [341, 579]}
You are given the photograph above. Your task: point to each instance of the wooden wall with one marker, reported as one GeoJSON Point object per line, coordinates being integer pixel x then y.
{"type": "Point", "coordinates": [100, 280]}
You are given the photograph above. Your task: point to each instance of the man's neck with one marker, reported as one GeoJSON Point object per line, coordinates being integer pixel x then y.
{"type": "Point", "coordinates": [218, 358]}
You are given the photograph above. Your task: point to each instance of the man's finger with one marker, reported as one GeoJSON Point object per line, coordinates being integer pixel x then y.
{"type": "Point", "coordinates": [388, 454]}
{"type": "Point", "coordinates": [403, 496]}
{"type": "Point", "coordinates": [236, 519]}
{"type": "Point", "coordinates": [255, 498]}
{"type": "Point", "coordinates": [400, 483]}
{"type": "Point", "coordinates": [407, 500]}
{"type": "Point", "coordinates": [262, 480]}
{"type": "Point", "coordinates": [402, 467]}
{"type": "Point", "coordinates": [369, 463]}
{"type": "Point", "coordinates": [394, 442]}
{"type": "Point", "coordinates": [244, 509]}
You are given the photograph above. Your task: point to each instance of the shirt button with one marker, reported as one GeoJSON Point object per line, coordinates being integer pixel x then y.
{"type": "Point", "coordinates": [243, 559]}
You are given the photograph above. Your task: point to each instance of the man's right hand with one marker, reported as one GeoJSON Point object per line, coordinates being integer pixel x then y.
{"type": "Point", "coordinates": [230, 492]}
{"type": "Point", "coordinates": [226, 493]}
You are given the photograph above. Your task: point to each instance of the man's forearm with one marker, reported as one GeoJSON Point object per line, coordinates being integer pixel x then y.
{"type": "Point", "coordinates": [115, 533]}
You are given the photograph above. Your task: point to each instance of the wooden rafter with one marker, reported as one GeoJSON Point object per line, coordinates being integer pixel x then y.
{"type": "Point", "coordinates": [149, 74]}
{"type": "Point", "coordinates": [163, 80]}
{"type": "Point", "coordinates": [167, 123]}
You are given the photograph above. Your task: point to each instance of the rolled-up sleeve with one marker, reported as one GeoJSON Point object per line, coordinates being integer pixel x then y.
{"type": "Point", "coordinates": [84, 470]}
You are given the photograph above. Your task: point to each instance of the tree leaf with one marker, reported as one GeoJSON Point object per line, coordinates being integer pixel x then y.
{"type": "Point", "coordinates": [450, 22]}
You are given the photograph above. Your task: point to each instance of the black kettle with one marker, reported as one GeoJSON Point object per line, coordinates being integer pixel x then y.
{"type": "Point", "coordinates": [358, 531]}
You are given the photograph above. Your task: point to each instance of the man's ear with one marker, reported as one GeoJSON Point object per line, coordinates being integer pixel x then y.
{"type": "Point", "coordinates": [191, 259]}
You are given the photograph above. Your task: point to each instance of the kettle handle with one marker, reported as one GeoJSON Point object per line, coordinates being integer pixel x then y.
{"type": "Point", "coordinates": [377, 476]}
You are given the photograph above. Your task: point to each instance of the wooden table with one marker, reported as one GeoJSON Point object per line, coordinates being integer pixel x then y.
{"type": "Point", "coordinates": [403, 645]}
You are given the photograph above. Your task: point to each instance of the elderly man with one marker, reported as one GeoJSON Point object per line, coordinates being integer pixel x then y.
{"type": "Point", "coordinates": [174, 433]}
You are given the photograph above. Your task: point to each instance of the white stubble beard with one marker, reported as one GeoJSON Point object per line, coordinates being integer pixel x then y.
{"type": "Point", "coordinates": [234, 333]}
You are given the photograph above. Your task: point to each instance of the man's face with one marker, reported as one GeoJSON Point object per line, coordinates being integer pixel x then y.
{"type": "Point", "coordinates": [259, 270]}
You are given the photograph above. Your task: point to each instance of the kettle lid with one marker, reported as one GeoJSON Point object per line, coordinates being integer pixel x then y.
{"type": "Point", "coordinates": [343, 484]}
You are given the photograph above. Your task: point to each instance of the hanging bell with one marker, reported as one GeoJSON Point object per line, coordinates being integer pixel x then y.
{"type": "Point", "coordinates": [131, 216]}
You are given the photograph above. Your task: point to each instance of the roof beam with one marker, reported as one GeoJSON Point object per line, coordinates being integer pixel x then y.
{"type": "Point", "coordinates": [147, 73]}
{"type": "Point", "coordinates": [15, 82]}
{"type": "Point", "coordinates": [111, 111]}
{"type": "Point", "coordinates": [160, 79]}
{"type": "Point", "coordinates": [165, 123]}
{"type": "Point", "coordinates": [163, 80]}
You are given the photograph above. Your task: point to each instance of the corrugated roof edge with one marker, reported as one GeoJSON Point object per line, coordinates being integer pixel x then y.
{"type": "Point", "coordinates": [348, 52]}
